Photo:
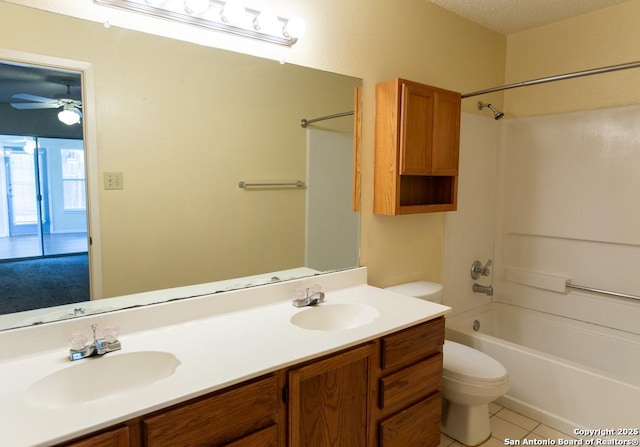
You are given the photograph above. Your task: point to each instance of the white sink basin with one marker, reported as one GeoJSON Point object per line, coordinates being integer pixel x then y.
{"type": "Point", "coordinates": [98, 377]}
{"type": "Point", "coordinates": [333, 317]}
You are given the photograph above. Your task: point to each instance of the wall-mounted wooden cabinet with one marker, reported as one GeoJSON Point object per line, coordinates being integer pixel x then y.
{"type": "Point", "coordinates": [416, 148]}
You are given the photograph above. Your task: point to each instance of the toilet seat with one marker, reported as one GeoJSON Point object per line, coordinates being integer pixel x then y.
{"type": "Point", "coordinates": [465, 364]}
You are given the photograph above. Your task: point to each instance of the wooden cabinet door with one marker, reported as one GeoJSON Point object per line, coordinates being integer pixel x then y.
{"type": "Point", "coordinates": [416, 129]}
{"type": "Point", "coordinates": [329, 400]}
{"type": "Point", "coordinates": [118, 437]}
{"type": "Point", "coordinates": [430, 130]}
{"type": "Point", "coordinates": [446, 133]}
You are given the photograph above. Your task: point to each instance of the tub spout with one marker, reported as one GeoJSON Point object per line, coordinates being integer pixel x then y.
{"type": "Point", "coordinates": [483, 289]}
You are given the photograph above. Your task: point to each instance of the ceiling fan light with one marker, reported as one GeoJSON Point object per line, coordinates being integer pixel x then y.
{"type": "Point", "coordinates": [69, 116]}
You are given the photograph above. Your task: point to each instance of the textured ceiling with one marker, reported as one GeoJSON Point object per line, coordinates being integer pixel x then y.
{"type": "Point", "coordinates": [512, 16]}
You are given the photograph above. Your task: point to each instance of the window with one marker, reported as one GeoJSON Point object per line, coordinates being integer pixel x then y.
{"type": "Point", "coordinates": [73, 181]}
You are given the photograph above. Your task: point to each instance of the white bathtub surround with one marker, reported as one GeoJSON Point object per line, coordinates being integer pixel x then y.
{"type": "Point", "coordinates": [564, 373]}
{"type": "Point", "coordinates": [469, 232]}
{"type": "Point", "coordinates": [219, 340]}
{"type": "Point", "coordinates": [567, 207]}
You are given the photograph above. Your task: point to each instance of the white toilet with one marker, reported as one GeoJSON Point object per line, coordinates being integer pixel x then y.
{"type": "Point", "coordinates": [470, 379]}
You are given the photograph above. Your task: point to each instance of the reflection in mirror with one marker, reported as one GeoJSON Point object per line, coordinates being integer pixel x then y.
{"type": "Point", "coordinates": [184, 124]}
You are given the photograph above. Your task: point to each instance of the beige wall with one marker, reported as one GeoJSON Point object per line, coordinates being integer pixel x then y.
{"type": "Point", "coordinates": [374, 40]}
{"type": "Point", "coordinates": [606, 37]}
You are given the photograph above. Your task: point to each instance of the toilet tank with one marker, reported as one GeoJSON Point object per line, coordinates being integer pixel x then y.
{"type": "Point", "coordinates": [424, 290]}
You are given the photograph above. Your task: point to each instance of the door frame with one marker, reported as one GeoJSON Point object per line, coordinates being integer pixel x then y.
{"type": "Point", "coordinates": [86, 71]}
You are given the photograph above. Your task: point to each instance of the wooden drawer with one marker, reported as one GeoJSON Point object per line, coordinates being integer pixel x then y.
{"type": "Point", "coordinates": [412, 344]}
{"type": "Point", "coordinates": [417, 426]}
{"type": "Point", "coordinates": [263, 438]}
{"type": "Point", "coordinates": [118, 437]}
{"type": "Point", "coordinates": [412, 383]}
{"type": "Point", "coordinates": [216, 420]}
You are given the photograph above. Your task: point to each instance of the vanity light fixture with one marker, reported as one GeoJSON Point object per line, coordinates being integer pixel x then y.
{"type": "Point", "coordinates": [69, 115]}
{"type": "Point", "coordinates": [233, 12]}
{"type": "Point", "coordinates": [229, 16]}
{"type": "Point", "coordinates": [266, 21]}
{"type": "Point", "coordinates": [195, 7]}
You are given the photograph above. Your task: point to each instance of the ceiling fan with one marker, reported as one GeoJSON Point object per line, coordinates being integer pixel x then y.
{"type": "Point", "coordinates": [71, 108]}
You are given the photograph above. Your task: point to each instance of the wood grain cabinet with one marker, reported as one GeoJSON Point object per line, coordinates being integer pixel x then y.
{"type": "Point", "coordinates": [115, 437]}
{"type": "Point", "coordinates": [329, 400]}
{"type": "Point", "coordinates": [417, 139]}
{"type": "Point", "coordinates": [382, 393]}
{"type": "Point", "coordinates": [246, 415]}
{"type": "Point", "coordinates": [409, 387]}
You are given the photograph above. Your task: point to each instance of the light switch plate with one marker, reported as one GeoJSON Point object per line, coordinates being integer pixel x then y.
{"type": "Point", "coordinates": [113, 180]}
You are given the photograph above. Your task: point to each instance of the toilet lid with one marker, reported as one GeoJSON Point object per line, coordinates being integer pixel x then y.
{"type": "Point", "coordinates": [470, 365]}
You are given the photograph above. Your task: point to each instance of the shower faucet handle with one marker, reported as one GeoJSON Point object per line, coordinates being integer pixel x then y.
{"type": "Point", "coordinates": [478, 270]}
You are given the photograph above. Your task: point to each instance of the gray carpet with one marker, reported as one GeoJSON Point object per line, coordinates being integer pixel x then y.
{"type": "Point", "coordinates": [35, 283]}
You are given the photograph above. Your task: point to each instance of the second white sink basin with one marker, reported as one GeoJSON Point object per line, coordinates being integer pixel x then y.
{"type": "Point", "coordinates": [333, 317]}
{"type": "Point", "coordinates": [98, 377]}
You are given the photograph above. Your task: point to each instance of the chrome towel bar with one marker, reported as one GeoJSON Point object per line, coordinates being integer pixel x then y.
{"type": "Point", "coordinates": [602, 291]}
{"type": "Point", "coordinates": [296, 184]}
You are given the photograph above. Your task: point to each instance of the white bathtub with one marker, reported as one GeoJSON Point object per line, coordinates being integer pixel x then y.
{"type": "Point", "coordinates": [565, 373]}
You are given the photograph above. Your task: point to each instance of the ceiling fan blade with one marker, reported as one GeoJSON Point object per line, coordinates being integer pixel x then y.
{"type": "Point", "coordinates": [34, 105]}
{"type": "Point", "coordinates": [73, 102]}
{"type": "Point", "coordinates": [35, 98]}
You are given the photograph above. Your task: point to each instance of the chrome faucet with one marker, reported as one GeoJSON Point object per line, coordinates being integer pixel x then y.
{"type": "Point", "coordinates": [99, 346]}
{"type": "Point", "coordinates": [483, 289]}
{"type": "Point", "coordinates": [308, 296]}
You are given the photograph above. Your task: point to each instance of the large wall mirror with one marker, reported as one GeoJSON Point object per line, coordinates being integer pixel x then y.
{"type": "Point", "coordinates": [185, 124]}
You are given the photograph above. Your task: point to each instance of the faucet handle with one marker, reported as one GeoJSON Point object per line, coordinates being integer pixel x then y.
{"type": "Point", "coordinates": [300, 293]}
{"type": "Point", "coordinates": [77, 341]}
{"type": "Point", "coordinates": [110, 333]}
{"type": "Point", "coordinates": [477, 269]}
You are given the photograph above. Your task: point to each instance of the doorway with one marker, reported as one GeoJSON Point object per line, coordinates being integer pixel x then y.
{"type": "Point", "coordinates": [44, 211]}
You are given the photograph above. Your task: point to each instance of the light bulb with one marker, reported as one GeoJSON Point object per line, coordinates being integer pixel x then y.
{"type": "Point", "coordinates": [295, 28]}
{"type": "Point", "coordinates": [267, 21]}
{"type": "Point", "coordinates": [194, 7]}
{"type": "Point", "coordinates": [233, 12]}
{"type": "Point", "coordinates": [69, 116]}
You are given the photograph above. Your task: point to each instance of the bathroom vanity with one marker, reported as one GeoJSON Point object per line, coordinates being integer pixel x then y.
{"type": "Point", "coordinates": [361, 369]}
{"type": "Point", "coordinates": [383, 393]}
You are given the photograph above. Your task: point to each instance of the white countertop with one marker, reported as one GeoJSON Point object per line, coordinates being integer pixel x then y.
{"type": "Point", "coordinates": [214, 352]}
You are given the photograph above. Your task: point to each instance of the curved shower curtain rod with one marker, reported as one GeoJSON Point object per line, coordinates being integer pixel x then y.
{"type": "Point", "coordinates": [575, 74]}
{"type": "Point", "coordinates": [305, 122]}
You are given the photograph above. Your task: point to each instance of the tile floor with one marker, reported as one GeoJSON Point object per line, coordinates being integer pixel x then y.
{"type": "Point", "coordinates": [506, 423]}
